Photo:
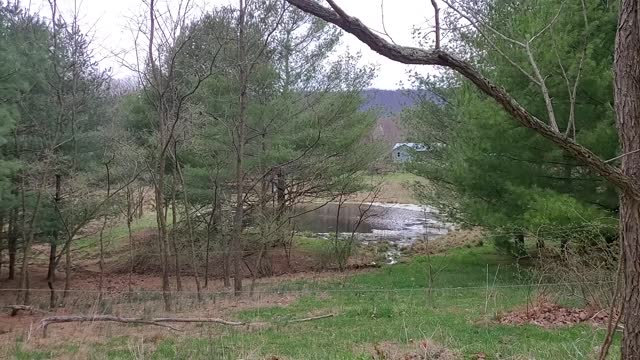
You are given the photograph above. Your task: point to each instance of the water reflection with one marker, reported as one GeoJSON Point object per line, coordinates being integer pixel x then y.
{"type": "Point", "coordinates": [392, 222]}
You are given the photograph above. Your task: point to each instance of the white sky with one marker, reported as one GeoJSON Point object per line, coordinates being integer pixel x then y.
{"type": "Point", "coordinates": [108, 21]}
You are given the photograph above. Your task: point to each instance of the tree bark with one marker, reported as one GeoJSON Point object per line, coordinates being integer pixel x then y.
{"type": "Point", "coordinates": [51, 274]}
{"type": "Point", "coordinates": [3, 235]}
{"type": "Point", "coordinates": [190, 232]}
{"type": "Point", "coordinates": [627, 106]}
{"type": "Point", "coordinates": [130, 211]}
{"type": "Point", "coordinates": [163, 142]}
{"type": "Point", "coordinates": [67, 270]}
{"type": "Point", "coordinates": [174, 221]}
{"type": "Point", "coordinates": [236, 241]}
{"type": "Point", "coordinates": [162, 234]}
{"type": "Point", "coordinates": [12, 243]}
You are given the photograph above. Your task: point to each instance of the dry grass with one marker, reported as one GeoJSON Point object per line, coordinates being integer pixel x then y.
{"type": "Point", "coordinates": [453, 240]}
{"type": "Point", "coordinates": [426, 349]}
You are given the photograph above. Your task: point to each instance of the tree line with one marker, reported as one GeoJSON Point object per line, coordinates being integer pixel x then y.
{"type": "Point", "coordinates": [233, 117]}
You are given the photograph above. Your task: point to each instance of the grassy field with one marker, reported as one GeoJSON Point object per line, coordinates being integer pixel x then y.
{"type": "Point", "coordinates": [390, 309]}
{"type": "Point", "coordinates": [396, 187]}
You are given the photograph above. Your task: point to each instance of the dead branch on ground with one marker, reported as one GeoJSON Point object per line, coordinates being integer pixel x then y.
{"type": "Point", "coordinates": [45, 322]}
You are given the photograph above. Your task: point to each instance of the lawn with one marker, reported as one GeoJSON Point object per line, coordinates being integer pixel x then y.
{"type": "Point", "coordinates": [389, 307]}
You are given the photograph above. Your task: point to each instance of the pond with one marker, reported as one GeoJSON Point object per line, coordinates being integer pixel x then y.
{"type": "Point", "coordinates": [398, 223]}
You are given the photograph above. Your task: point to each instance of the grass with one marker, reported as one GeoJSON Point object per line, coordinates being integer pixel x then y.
{"type": "Point", "coordinates": [398, 177]}
{"type": "Point", "coordinates": [311, 244]}
{"type": "Point", "coordinates": [115, 236]}
{"type": "Point", "coordinates": [391, 304]}
{"type": "Point", "coordinates": [396, 187]}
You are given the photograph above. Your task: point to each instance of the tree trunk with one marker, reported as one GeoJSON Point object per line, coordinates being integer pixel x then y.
{"type": "Point", "coordinates": [130, 211]}
{"type": "Point", "coordinates": [101, 259]}
{"type": "Point", "coordinates": [226, 261]}
{"type": "Point", "coordinates": [140, 203]}
{"type": "Point", "coordinates": [627, 106]}
{"type": "Point", "coordinates": [519, 242]}
{"type": "Point", "coordinates": [28, 233]}
{"type": "Point", "coordinates": [51, 274]}
{"type": "Point", "coordinates": [12, 243]}
{"type": "Point", "coordinates": [174, 243]}
{"type": "Point", "coordinates": [236, 241]}
{"type": "Point", "coordinates": [190, 233]}
{"type": "Point", "coordinates": [212, 226]}
{"type": "Point", "coordinates": [67, 270]}
{"type": "Point", "coordinates": [162, 235]}
{"type": "Point", "coordinates": [3, 235]}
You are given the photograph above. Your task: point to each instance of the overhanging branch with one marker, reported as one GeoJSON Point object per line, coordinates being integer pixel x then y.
{"type": "Point", "coordinates": [419, 56]}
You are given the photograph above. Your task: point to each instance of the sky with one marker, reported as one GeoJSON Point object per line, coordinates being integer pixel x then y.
{"type": "Point", "coordinates": [109, 23]}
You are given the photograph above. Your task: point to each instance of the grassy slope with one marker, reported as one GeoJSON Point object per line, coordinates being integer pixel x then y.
{"type": "Point", "coordinates": [386, 305]}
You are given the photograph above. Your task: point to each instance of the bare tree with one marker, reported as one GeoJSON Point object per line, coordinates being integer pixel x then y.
{"type": "Point", "coordinates": [168, 91]}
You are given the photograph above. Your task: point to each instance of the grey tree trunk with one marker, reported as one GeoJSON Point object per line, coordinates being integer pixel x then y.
{"type": "Point", "coordinates": [237, 241]}
{"type": "Point", "coordinates": [12, 243]}
{"type": "Point", "coordinates": [627, 106]}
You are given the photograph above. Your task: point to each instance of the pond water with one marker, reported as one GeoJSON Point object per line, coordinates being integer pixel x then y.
{"type": "Point", "coordinates": [398, 223]}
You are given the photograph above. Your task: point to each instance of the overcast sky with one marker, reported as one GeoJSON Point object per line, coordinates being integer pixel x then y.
{"type": "Point", "coordinates": [109, 22]}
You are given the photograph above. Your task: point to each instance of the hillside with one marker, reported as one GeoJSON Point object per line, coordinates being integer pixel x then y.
{"type": "Point", "coordinates": [388, 104]}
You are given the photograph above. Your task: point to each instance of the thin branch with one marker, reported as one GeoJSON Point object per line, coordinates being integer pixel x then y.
{"type": "Point", "coordinates": [492, 43]}
{"type": "Point", "coordinates": [384, 27]}
{"type": "Point", "coordinates": [543, 88]}
{"type": "Point", "coordinates": [571, 126]}
{"type": "Point", "coordinates": [436, 11]}
{"type": "Point", "coordinates": [549, 25]}
{"type": "Point", "coordinates": [621, 156]}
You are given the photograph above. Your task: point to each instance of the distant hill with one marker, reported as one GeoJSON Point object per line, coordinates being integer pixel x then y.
{"type": "Point", "coordinates": [392, 102]}
{"type": "Point", "coordinates": [389, 104]}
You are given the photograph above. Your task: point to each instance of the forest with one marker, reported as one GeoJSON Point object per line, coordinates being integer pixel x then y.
{"type": "Point", "coordinates": [235, 197]}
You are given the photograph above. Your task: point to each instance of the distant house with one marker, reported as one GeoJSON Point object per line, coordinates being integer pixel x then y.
{"type": "Point", "coordinates": [403, 152]}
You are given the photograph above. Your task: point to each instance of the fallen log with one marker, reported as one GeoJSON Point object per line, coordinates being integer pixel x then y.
{"type": "Point", "coordinates": [44, 323]}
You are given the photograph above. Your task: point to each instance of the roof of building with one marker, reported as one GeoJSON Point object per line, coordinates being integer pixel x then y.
{"type": "Point", "coordinates": [414, 146]}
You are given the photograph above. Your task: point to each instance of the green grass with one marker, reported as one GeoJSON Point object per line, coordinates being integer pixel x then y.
{"type": "Point", "coordinates": [391, 304]}
{"type": "Point", "coordinates": [311, 244]}
{"type": "Point", "coordinates": [116, 236]}
{"type": "Point", "coordinates": [400, 177]}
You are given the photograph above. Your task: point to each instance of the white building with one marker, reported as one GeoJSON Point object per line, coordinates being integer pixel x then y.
{"type": "Point", "coordinates": [403, 152]}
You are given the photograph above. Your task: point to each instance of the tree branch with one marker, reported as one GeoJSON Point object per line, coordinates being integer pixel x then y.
{"type": "Point", "coordinates": [436, 11]}
{"type": "Point", "coordinates": [418, 56]}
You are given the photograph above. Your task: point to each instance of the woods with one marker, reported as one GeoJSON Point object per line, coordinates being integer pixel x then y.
{"type": "Point", "coordinates": [177, 131]}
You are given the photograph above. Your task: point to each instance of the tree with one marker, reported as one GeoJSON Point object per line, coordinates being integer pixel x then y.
{"type": "Point", "coordinates": [627, 106]}
{"type": "Point", "coordinates": [487, 179]}
{"type": "Point", "coordinates": [299, 122]}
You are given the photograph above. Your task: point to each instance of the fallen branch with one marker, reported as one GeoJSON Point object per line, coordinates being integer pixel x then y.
{"type": "Point", "coordinates": [311, 318]}
{"type": "Point", "coordinates": [17, 308]}
{"type": "Point", "coordinates": [199, 320]}
{"type": "Point", "coordinates": [44, 323]}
